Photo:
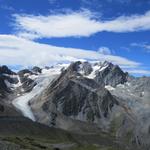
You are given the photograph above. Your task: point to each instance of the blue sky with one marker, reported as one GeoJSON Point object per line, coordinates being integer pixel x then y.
{"type": "Point", "coordinates": [45, 32]}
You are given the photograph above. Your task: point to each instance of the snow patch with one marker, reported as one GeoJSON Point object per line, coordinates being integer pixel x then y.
{"type": "Point", "coordinates": [13, 86]}
{"type": "Point", "coordinates": [121, 85]}
{"type": "Point", "coordinates": [33, 77]}
{"type": "Point", "coordinates": [96, 68]}
{"type": "Point", "coordinates": [92, 75]}
{"type": "Point", "coordinates": [110, 88]}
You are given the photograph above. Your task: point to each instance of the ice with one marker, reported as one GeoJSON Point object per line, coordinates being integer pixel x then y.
{"type": "Point", "coordinates": [110, 88]}
{"type": "Point", "coordinates": [22, 102]}
{"type": "Point", "coordinates": [33, 77]}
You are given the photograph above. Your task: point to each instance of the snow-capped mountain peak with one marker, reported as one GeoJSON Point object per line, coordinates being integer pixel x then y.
{"type": "Point", "coordinates": [67, 95]}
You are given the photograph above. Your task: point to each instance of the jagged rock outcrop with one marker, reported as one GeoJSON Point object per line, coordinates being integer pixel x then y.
{"type": "Point", "coordinates": [36, 69]}
{"type": "Point", "coordinates": [5, 70]}
{"type": "Point", "coordinates": [86, 68]}
{"type": "Point", "coordinates": [4, 90]}
{"type": "Point", "coordinates": [27, 82]}
{"type": "Point", "coordinates": [76, 100]}
{"type": "Point", "coordinates": [105, 73]}
{"type": "Point", "coordinates": [111, 75]}
{"type": "Point", "coordinates": [7, 77]}
{"type": "Point", "coordinates": [74, 97]}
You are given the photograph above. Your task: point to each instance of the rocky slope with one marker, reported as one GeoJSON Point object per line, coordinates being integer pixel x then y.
{"type": "Point", "coordinates": [72, 98]}
{"type": "Point", "coordinates": [19, 133]}
{"type": "Point", "coordinates": [8, 81]}
{"type": "Point", "coordinates": [83, 97]}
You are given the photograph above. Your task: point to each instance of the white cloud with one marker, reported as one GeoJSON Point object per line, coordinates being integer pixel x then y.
{"type": "Point", "coordinates": [77, 24]}
{"type": "Point", "coordinates": [104, 50]}
{"type": "Point", "coordinates": [138, 71]}
{"type": "Point", "coordinates": [60, 25]}
{"type": "Point", "coordinates": [19, 51]}
{"type": "Point", "coordinates": [7, 7]}
{"type": "Point", "coordinates": [52, 1]}
{"type": "Point", "coordinates": [120, 1]}
{"type": "Point", "coordinates": [96, 4]}
{"type": "Point", "coordinates": [142, 45]}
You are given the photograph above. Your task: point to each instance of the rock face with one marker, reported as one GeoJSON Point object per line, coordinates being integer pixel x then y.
{"type": "Point", "coordinates": [101, 95]}
{"type": "Point", "coordinates": [111, 75]}
{"type": "Point", "coordinates": [5, 82]}
{"type": "Point", "coordinates": [86, 68]}
{"type": "Point", "coordinates": [6, 70]}
{"type": "Point", "coordinates": [4, 90]}
{"type": "Point", "coordinates": [5, 79]}
{"type": "Point", "coordinates": [104, 73]}
{"type": "Point", "coordinates": [74, 97]}
{"type": "Point", "coordinates": [82, 97]}
{"type": "Point", "coordinates": [36, 69]}
{"type": "Point", "coordinates": [13, 85]}
{"type": "Point", "coordinates": [26, 81]}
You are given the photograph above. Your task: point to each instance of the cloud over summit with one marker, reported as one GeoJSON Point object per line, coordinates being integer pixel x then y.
{"type": "Point", "coordinates": [15, 50]}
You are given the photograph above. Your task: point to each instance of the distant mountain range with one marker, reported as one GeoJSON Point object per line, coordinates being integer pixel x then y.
{"type": "Point", "coordinates": [96, 102]}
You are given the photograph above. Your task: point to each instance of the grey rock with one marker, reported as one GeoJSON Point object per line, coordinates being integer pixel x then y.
{"type": "Point", "coordinates": [5, 70]}
{"type": "Point", "coordinates": [27, 83]}
{"type": "Point", "coordinates": [5, 75]}
{"type": "Point", "coordinates": [75, 97]}
{"type": "Point", "coordinates": [111, 75]}
{"type": "Point", "coordinates": [36, 69]}
{"type": "Point", "coordinates": [86, 68]}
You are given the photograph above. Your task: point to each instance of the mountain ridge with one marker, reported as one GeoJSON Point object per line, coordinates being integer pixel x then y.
{"type": "Point", "coordinates": [83, 97]}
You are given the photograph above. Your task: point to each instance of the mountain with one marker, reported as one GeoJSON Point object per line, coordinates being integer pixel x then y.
{"type": "Point", "coordinates": [72, 97]}
{"type": "Point", "coordinates": [86, 99]}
